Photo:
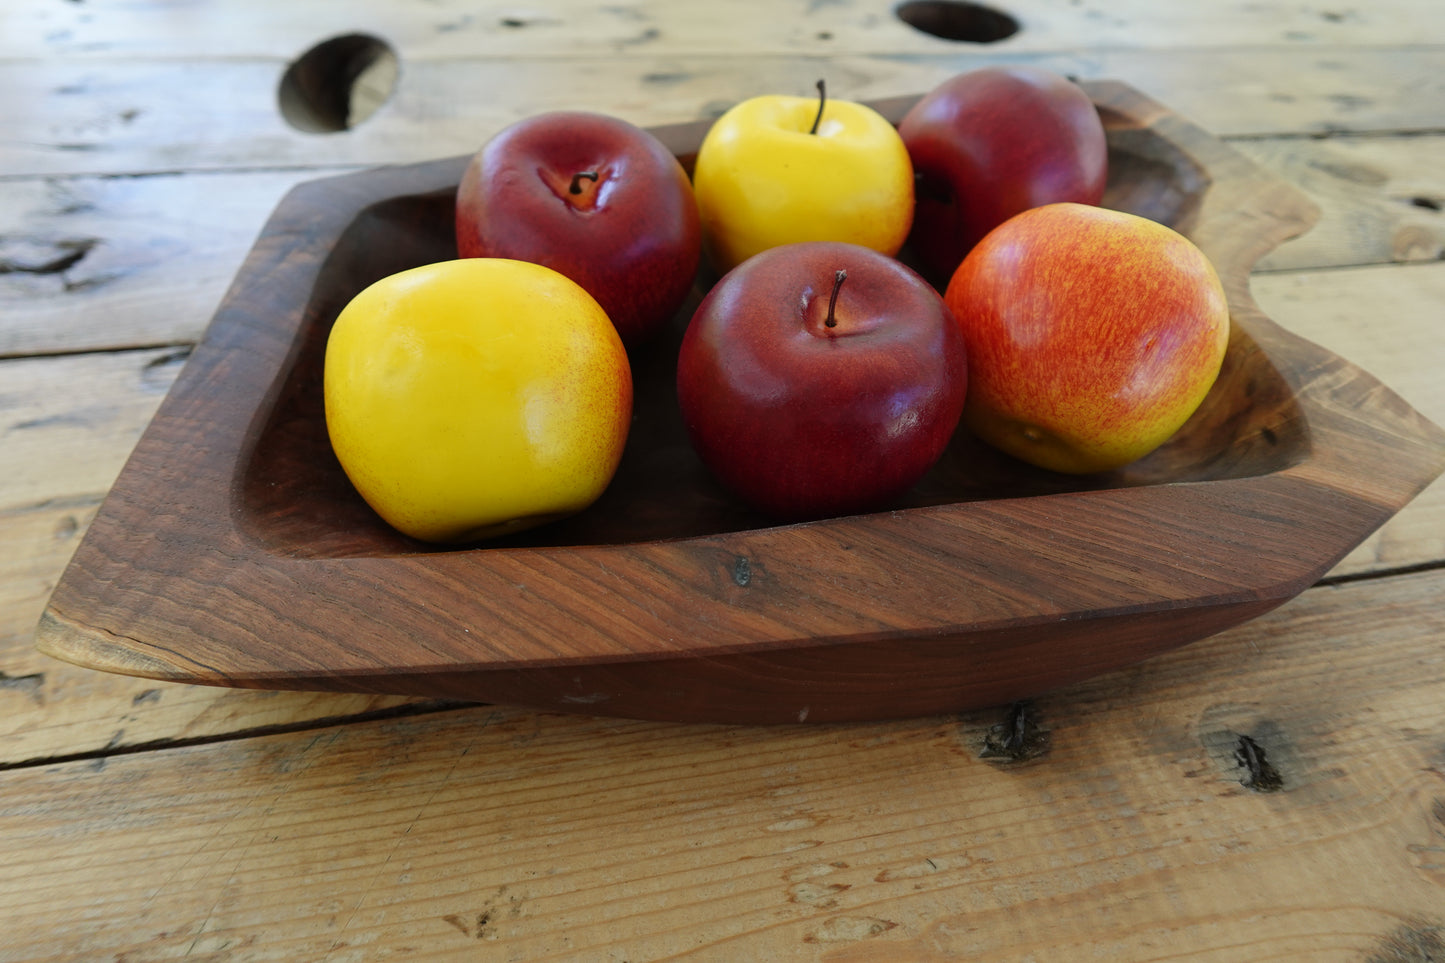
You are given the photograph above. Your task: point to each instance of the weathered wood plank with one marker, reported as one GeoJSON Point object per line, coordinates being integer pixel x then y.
{"type": "Point", "coordinates": [451, 29]}
{"type": "Point", "coordinates": [68, 423]}
{"type": "Point", "coordinates": [66, 426]}
{"type": "Point", "coordinates": [1382, 199]}
{"type": "Point", "coordinates": [101, 262]}
{"type": "Point", "coordinates": [1379, 318]}
{"type": "Point", "coordinates": [96, 263]}
{"type": "Point", "coordinates": [497, 834]}
{"type": "Point", "coordinates": [170, 115]}
{"type": "Point", "coordinates": [36, 541]}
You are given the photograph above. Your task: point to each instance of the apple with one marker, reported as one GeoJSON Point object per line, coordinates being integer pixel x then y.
{"type": "Point", "coordinates": [820, 379]}
{"type": "Point", "coordinates": [595, 198]}
{"type": "Point", "coordinates": [991, 143]}
{"type": "Point", "coordinates": [779, 170]}
{"type": "Point", "coordinates": [473, 398]}
{"type": "Point", "coordinates": [1092, 335]}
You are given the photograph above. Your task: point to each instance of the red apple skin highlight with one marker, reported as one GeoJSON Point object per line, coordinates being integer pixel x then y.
{"type": "Point", "coordinates": [1092, 335]}
{"type": "Point", "coordinates": [630, 235]}
{"type": "Point", "coordinates": [992, 143]}
{"type": "Point", "coordinates": [802, 420]}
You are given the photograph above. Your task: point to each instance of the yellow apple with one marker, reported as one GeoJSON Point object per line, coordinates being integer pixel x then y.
{"type": "Point", "coordinates": [473, 398]}
{"type": "Point", "coordinates": [777, 170]}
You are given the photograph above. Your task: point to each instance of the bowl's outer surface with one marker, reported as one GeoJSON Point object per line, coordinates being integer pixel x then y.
{"type": "Point", "coordinates": [232, 551]}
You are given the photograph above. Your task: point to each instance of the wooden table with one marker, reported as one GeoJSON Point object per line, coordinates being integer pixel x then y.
{"type": "Point", "coordinates": [141, 149]}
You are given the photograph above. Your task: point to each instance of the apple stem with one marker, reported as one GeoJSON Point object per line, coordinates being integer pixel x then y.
{"type": "Point", "coordinates": [822, 99]}
{"type": "Point", "coordinates": [576, 187]}
{"type": "Point", "coordinates": [838, 278]}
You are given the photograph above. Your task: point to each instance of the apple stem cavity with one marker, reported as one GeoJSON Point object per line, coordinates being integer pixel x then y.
{"type": "Point", "coordinates": [822, 99]}
{"type": "Point", "coordinates": [576, 187]}
{"type": "Point", "coordinates": [838, 278]}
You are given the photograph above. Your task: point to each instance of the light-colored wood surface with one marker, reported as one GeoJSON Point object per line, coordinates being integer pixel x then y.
{"type": "Point", "coordinates": [147, 821]}
{"type": "Point", "coordinates": [159, 116]}
{"type": "Point", "coordinates": [496, 834]}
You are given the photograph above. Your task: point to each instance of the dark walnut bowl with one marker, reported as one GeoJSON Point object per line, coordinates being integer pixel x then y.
{"type": "Point", "coordinates": [233, 550]}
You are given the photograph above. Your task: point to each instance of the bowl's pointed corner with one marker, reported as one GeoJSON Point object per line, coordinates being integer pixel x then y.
{"type": "Point", "coordinates": [61, 639]}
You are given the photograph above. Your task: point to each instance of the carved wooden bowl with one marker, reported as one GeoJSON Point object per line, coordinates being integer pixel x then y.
{"type": "Point", "coordinates": [233, 551]}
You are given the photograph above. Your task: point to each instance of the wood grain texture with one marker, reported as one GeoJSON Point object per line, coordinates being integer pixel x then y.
{"type": "Point", "coordinates": [502, 834]}
{"type": "Point", "coordinates": [455, 29]}
{"type": "Point", "coordinates": [684, 606]}
{"type": "Point", "coordinates": [497, 834]}
{"type": "Point", "coordinates": [1375, 332]}
{"type": "Point", "coordinates": [67, 425]}
{"type": "Point", "coordinates": [98, 263]}
{"type": "Point", "coordinates": [1379, 203]}
{"type": "Point", "coordinates": [162, 116]}
{"type": "Point", "coordinates": [49, 709]}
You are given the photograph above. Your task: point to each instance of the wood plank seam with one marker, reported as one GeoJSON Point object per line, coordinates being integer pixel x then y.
{"type": "Point", "coordinates": [99, 756]}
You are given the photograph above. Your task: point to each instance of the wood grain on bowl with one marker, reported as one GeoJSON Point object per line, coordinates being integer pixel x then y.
{"type": "Point", "coordinates": [233, 551]}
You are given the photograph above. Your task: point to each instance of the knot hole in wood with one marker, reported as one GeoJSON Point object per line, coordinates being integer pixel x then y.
{"type": "Point", "coordinates": [338, 84]}
{"type": "Point", "coordinates": [957, 20]}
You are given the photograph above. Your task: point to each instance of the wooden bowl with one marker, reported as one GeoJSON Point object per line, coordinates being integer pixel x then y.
{"type": "Point", "coordinates": [233, 551]}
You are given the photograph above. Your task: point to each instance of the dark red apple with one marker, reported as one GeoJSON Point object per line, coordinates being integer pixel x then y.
{"type": "Point", "coordinates": [594, 198]}
{"type": "Point", "coordinates": [992, 143]}
{"type": "Point", "coordinates": [820, 379]}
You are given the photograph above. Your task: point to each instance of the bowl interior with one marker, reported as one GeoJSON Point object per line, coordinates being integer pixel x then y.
{"type": "Point", "coordinates": [294, 499]}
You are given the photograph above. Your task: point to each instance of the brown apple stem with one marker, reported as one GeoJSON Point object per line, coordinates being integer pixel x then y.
{"type": "Point", "coordinates": [838, 278]}
{"type": "Point", "coordinates": [822, 99]}
{"type": "Point", "coordinates": [576, 187]}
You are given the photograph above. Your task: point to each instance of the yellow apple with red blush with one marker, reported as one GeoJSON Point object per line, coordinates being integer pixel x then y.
{"type": "Point", "coordinates": [1092, 335]}
{"type": "Point", "coordinates": [474, 398]}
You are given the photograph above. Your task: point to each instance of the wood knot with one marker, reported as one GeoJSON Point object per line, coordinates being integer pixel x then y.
{"type": "Point", "coordinates": [1018, 738]}
{"type": "Point", "coordinates": [1259, 774]}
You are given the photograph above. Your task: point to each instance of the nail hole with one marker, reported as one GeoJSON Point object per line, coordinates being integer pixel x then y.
{"type": "Point", "coordinates": [338, 83]}
{"type": "Point", "coordinates": [957, 20]}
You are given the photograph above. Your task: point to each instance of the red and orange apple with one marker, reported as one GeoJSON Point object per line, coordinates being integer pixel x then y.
{"type": "Point", "coordinates": [1092, 335]}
